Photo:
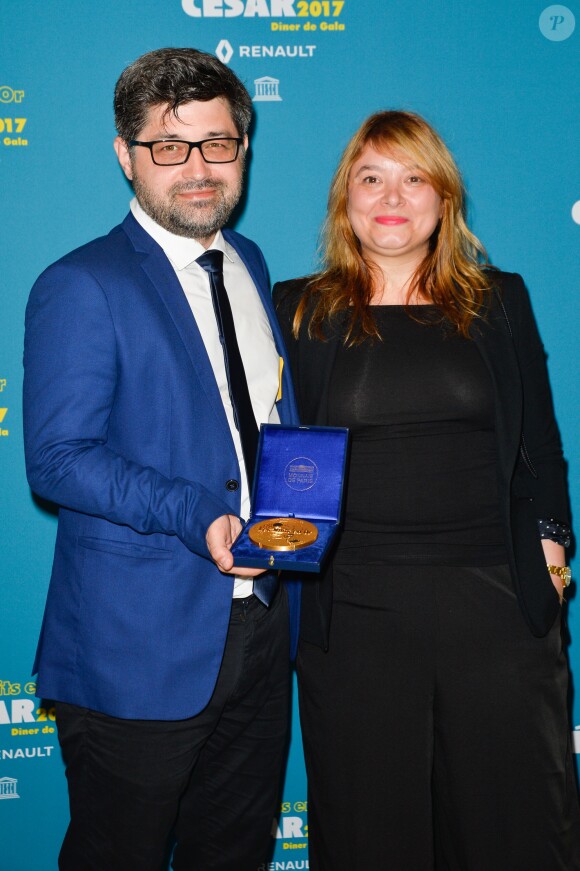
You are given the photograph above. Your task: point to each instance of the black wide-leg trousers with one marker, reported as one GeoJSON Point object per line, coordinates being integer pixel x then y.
{"type": "Point", "coordinates": [435, 728]}
{"type": "Point", "coordinates": [211, 782]}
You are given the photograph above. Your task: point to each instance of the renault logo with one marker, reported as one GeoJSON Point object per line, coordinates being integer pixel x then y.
{"type": "Point", "coordinates": [224, 51]}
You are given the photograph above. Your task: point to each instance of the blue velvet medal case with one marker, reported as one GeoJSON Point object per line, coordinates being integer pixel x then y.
{"type": "Point", "coordinates": [300, 473]}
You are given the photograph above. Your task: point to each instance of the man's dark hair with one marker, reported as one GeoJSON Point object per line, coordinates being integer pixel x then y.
{"type": "Point", "coordinates": [176, 76]}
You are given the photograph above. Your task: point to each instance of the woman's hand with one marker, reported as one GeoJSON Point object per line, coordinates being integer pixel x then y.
{"type": "Point", "coordinates": [555, 555]}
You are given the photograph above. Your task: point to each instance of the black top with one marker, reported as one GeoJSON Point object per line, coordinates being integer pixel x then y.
{"type": "Point", "coordinates": [507, 339]}
{"type": "Point", "coordinates": [422, 484]}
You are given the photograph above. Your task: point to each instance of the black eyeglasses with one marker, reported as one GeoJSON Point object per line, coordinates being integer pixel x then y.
{"type": "Point", "coordinates": [171, 152]}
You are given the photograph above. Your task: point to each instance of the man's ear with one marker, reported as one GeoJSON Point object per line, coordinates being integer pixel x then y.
{"type": "Point", "coordinates": [123, 156]}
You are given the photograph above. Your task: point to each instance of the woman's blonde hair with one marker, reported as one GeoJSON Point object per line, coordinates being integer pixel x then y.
{"type": "Point", "coordinates": [451, 276]}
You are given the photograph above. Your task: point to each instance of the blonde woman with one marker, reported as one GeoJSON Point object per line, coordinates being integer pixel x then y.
{"type": "Point", "coordinates": [432, 677]}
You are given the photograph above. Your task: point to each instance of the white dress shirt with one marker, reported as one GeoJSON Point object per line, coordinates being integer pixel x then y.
{"type": "Point", "coordinates": [253, 333]}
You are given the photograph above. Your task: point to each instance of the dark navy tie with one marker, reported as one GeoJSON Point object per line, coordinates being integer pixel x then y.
{"type": "Point", "coordinates": [213, 262]}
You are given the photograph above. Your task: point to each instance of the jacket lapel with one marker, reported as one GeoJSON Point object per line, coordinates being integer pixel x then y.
{"type": "Point", "coordinates": [160, 273]}
{"type": "Point", "coordinates": [494, 342]}
{"type": "Point", "coordinates": [315, 365]}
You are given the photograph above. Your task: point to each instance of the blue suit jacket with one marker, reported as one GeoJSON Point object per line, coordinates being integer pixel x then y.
{"type": "Point", "coordinates": [125, 431]}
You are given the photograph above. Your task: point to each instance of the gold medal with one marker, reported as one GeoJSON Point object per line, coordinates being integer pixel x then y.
{"type": "Point", "coordinates": [283, 533]}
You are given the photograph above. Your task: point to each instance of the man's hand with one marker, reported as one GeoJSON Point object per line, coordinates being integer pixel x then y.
{"type": "Point", "coordinates": [219, 538]}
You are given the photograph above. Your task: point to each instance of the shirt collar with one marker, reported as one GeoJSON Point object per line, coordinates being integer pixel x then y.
{"type": "Point", "coordinates": [180, 250]}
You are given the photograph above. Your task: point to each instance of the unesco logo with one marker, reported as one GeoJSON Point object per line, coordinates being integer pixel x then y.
{"type": "Point", "coordinates": [8, 787]}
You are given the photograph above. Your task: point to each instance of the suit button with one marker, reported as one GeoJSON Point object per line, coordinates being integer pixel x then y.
{"type": "Point", "coordinates": [232, 485]}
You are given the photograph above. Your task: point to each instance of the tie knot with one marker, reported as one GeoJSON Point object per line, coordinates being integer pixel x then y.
{"type": "Point", "coordinates": [212, 261]}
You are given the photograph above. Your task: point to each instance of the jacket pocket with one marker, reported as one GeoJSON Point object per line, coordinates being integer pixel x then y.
{"type": "Point", "coordinates": [124, 548]}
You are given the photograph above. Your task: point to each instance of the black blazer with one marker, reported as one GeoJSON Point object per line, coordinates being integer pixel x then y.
{"type": "Point", "coordinates": [529, 487]}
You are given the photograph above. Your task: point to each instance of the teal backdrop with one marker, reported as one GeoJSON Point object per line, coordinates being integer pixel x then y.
{"type": "Point", "coordinates": [499, 81]}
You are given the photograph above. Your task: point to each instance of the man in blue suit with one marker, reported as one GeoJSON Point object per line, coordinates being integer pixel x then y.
{"type": "Point", "coordinates": [169, 668]}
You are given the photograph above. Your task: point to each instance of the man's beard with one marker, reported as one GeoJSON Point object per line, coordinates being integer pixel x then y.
{"type": "Point", "coordinates": [196, 220]}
